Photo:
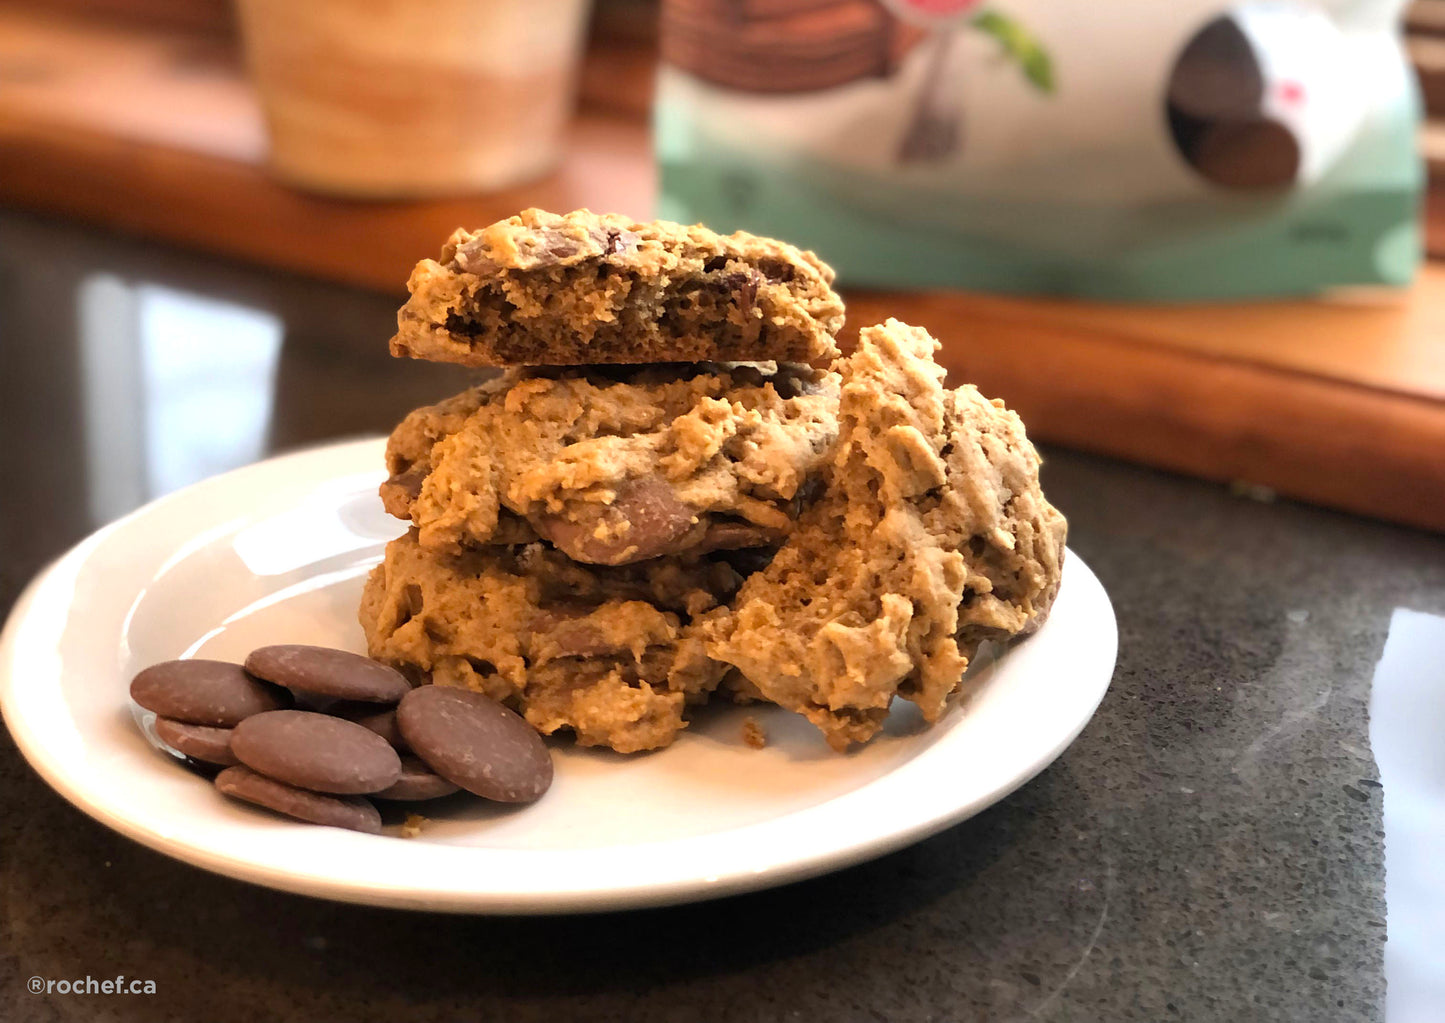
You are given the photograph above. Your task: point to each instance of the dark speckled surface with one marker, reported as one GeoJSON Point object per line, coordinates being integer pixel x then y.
{"type": "Point", "coordinates": [1209, 849]}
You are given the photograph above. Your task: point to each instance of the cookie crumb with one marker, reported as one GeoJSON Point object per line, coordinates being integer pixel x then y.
{"type": "Point", "coordinates": [753, 733]}
{"type": "Point", "coordinates": [411, 828]}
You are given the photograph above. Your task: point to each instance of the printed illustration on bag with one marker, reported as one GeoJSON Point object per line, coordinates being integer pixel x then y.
{"type": "Point", "coordinates": [1128, 150]}
{"type": "Point", "coordinates": [1253, 102]}
{"type": "Point", "coordinates": [808, 45]}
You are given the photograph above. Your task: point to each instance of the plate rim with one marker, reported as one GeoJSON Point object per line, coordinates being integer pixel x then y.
{"type": "Point", "coordinates": [70, 785]}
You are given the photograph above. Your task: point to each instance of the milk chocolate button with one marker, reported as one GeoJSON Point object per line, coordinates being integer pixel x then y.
{"type": "Point", "coordinates": [381, 720]}
{"type": "Point", "coordinates": [200, 742]}
{"type": "Point", "coordinates": [337, 811]}
{"type": "Point", "coordinates": [315, 751]}
{"type": "Point", "coordinates": [326, 672]}
{"type": "Point", "coordinates": [475, 742]}
{"type": "Point", "coordinates": [644, 520]}
{"type": "Point", "coordinates": [417, 781]}
{"type": "Point", "coordinates": [200, 692]}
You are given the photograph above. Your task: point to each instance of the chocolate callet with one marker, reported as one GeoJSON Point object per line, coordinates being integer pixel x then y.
{"type": "Point", "coordinates": [203, 692]}
{"type": "Point", "coordinates": [316, 751]}
{"type": "Point", "coordinates": [475, 742]}
{"type": "Point", "coordinates": [327, 672]}
{"type": "Point", "coordinates": [353, 813]}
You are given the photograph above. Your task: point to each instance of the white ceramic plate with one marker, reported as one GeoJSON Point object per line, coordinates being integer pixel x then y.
{"type": "Point", "coordinates": [277, 552]}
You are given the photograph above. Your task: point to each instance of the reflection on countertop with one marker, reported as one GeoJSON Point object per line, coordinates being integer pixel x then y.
{"type": "Point", "coordinates": [131, 371]}
{"type": "Point", "coordinates": [1407, 721]}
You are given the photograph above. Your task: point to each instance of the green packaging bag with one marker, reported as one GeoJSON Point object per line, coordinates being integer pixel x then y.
{"type": "Point", "coordinates": [1131, 150]}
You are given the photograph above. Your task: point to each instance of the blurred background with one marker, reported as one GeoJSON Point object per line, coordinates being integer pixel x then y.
{"type": "Point", "coordinates": [1193, 243]}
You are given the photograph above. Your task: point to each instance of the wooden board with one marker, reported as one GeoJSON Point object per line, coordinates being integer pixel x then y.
{"type": "Point", "coordinates": [1107, 382]}
{"type": "Point", "coordinates": [1338, 401]}
{"type": "Point", "coordinates": [159, 134]}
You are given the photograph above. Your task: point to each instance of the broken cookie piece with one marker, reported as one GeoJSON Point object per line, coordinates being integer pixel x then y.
{"type": "Point", "coordinates": [546, 289]}
{"type": "Point", "coordinates": [611, 654]}
{"type": "Point", "coordinates": [619, 466]}
{"type": "Point", "coordinates": [931, 536]}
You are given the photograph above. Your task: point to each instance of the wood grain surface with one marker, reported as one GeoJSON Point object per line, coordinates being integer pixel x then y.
{"type": "Point", "coordinates": [1165, 398]}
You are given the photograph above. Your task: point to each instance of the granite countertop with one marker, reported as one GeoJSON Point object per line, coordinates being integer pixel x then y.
{"type": "Point", "coordinates": [1210, 848]}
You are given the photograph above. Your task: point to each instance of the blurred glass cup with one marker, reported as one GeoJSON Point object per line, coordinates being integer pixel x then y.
{"type": "Point", "coordinates": [397, 98]}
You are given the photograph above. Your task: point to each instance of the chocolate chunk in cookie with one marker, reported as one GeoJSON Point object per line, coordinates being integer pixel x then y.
{"type": "Point", "coordinates": [616, 467]}
{"type": "Point", "coordinates": [547, 289]}
{"type": "Point", "coordinates": [645, 519]}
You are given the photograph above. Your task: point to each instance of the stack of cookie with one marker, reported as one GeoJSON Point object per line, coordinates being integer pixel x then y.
{"type": "Point", "coordinates": [665, 493]}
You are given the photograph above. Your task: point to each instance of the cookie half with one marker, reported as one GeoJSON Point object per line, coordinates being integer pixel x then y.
{"type": "Point", "coordinates": [615, 467]}
{"type": "Point", "coordinates": [546, 289]}
{"type": "Point", "coordinates": [611, 654]}
{"type": "Point", "coordinates": [932, 535]}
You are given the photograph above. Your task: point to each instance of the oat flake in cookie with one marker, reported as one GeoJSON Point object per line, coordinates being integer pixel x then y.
{"type": "Point", "coordinates": [619, 466]}
{"type": "Point", "coordinates": [932, 535]}
{"type": "Point", "coordinates": [547, 289]}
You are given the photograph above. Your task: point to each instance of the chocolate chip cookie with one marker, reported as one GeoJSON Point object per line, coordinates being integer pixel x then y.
{"type": "Point", "coordinates": [931, 536]}
{"type": "Point", "coordinates": [547, 289]}
{"type": "Point", "coordinates": [615, 466]}
{"type": "Point", "coordinates": [612, 654]}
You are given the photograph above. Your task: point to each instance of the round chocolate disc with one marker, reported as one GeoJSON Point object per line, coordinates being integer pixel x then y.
{"type": "Point", "coordinates": [201, 692]}
{"type": "Point", "coordinates": [199, 742]}
{"type": "Point", "coordinates": [417, 782]}
{"type": "Point", "coordinates": [381, 720]}
{"type": "Point", "coordinates": [327, 672]}
{"type": "Point", "coordinates": [474, 741]}
{"type": "Point", "coordinates": [316, 751]}
{"type": "Point", "coordinates": [645, 519]}
{"type": "Point", "coordinates": [337, 811]}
